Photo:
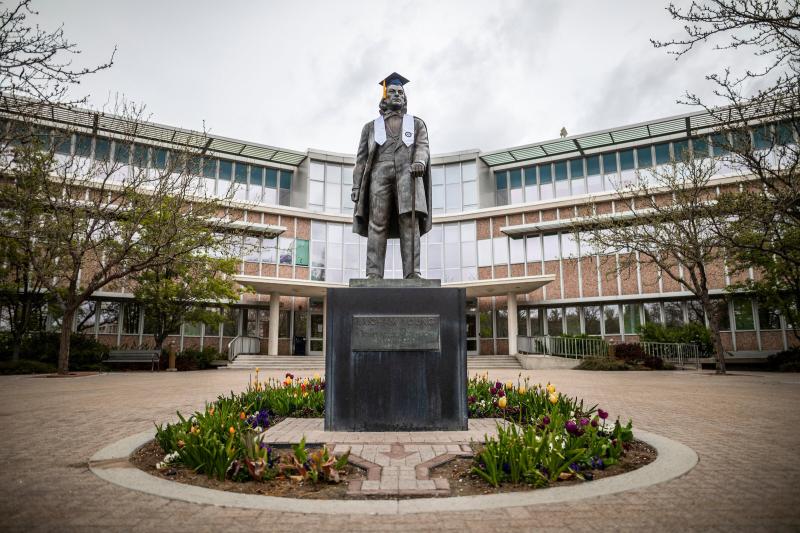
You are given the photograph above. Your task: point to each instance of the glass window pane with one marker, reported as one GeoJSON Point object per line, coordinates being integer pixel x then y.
{"type": "Point", "coordinates": [662, 153]}
{"type": "Point", "coordinates": [468, 254]}
{"type": "Point", "coordinates": [573, 321]}
{"type": "Point", "coordinates": [673, 314]}
{"type": "Point", "coordinates": [652, 313]}
{"type": "Point", "coordinates": [545, 174]}
{"type": "Point", "coordinates": [533, 248]}
{"type": "Point", "coordinates": [470, 194]}
{"type": "Point", "coordinates": [644, 157]}
{"type": "Point", "coordinates": [109, 317]}
{"type": "Point", "coordinates": [301, 252]}
{"type": "Point", "coordinates": [768, 318]}
{"type": "Point", "coordinates": [83, 145]}
{"type": "Point", "coordinates": [569, 246]}
{"type": "Point", "coordinates": [611, 319]}
{"type": "Point", "coordinates": [453, 197]}
{"type": "Point", "coordinates": [452, 173]}
{"type": "Point", "coordinates": [209, 167]}
{"type": "Point", "coordinates": [500, 180]}
{"type": "Point", "coordinates": [484, 253]}
{"type": "Point", "coordinates": [469, 171]}
{"type": "Point", "coordinates": [743, 314]}
{"type": "Point", "coordinates": [333, 196]}
{"type": "Point", "coordinates": [721, 144]}
{"type": "Point", "coordinates": [626, 159]}
{"type": "Point", "coordinates": [500, 247]}
{"type": "Point", "coordinates": [317, 171]}
{"type": "Point", "coordinates": [102, 149]}
{"type": "Point", "coordinates": [333, 173]}
{"type": "Point", "coordinates": [591, 319]}
{"type": "Point", "coordinates": [515, 178]}
{"type": "Point", "coordinates": [438, 196]}
{"type": "Point", "coordinates": [517, 250]}
{"type": "Point", "coordinates": [724, 316]}
{"type": "Point", "coordinates": [610, 163]}
{"type": "Point", "coordinates": [437, 175]}
{"type": "Point", "coordinates": [555, 324]}
{"type": "Point", "coordinates": [316, 192]}
{"type": "Point", "coordinates": [700, 147]}
{"type": "Point", "coordinates": [241, 173]}
{"type": "Point", "coordinates": [631, 315]}
{"type": "Point", "coordinates": [561, 170]}
{"type": "Point", "coordinates": [593, 165]}
{"type": "Point", "coordinates": [286, 179]}
{"type": "Point", "coordinates": [487, 328]}
{"type": "Point", "coordinates": [225, 170]}
{"type": "Point", "coordinates": [272, 179]}
{"type": "Point", "coordinates": [576, 168]}
{"type": "Point", "coordinates": [502, 323]}
{"type": "Point", "coordinates": [681, 150]}
{"type": "Point", "coordinates": [551, 247]}
{"type": "Point", "coordinates": [285, 250]}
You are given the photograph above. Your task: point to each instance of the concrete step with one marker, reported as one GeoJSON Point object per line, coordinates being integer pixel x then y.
{"type": "Point", "coordinates": [317, 362]}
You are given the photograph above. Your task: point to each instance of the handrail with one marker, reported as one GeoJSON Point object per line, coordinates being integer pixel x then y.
{"type": "Point", "coordinates": [243, 344]}
{"type": "Point", "coordinates": [679, 354]}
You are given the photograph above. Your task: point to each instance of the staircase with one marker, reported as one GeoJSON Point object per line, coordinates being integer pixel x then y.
{"type": "Point", "coordinates": [492, 362]}
{"type": "Point", "coordinates": [277, 362]}
{"type": "Point", "coordinates": [317, 362]}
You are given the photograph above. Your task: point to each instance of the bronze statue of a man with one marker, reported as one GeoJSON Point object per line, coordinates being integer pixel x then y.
{"type": "Point", "coordinates": [391, 181]}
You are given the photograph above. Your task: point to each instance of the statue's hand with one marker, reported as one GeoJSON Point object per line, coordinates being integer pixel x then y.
{"type": "Point", "coordinates": [354, 195]}
{"type": "Point", "coordinates": [417, 169]}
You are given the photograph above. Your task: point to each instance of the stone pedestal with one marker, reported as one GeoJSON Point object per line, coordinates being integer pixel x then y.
{"type": "Point", "coordinates": [396, 357]}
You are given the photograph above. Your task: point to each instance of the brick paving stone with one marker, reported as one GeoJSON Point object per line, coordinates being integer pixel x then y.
{"type": "Point", "coordinates": [745, 428]}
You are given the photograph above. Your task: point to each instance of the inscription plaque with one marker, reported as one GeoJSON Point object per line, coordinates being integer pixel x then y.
{"type": "Point", "coordinates": [380, 333]}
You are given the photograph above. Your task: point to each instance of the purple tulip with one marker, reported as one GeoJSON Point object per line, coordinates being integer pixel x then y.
{"type": "Point", "coordinates": [584, 421]}
{"type": "Point", "coordinates": [545, 420]}
{"type": "Point", "coordinates": [602, 414]}
{"type": "Point", "coordinates": [498, 385]}
{"type": "Point", "coordinates": [501, 393]}
{"type": "Point", "coordinates": [594, 422]}
{"type": "Point", "coordinates": [571, 427]}
{"type": "Point", "coordinates": [493, 391]}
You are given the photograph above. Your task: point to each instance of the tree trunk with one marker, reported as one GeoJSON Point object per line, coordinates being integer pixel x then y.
{"type": "Point", "coordinates": [63, 345]}
{"type": "Point", "coordinates": [716, 336]}
{"type": "Point", "coordinates": [15, 349]}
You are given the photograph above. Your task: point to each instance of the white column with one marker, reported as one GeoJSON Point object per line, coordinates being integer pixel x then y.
{"type": "Point", "coordinates": [513, 328]}
{"type": "Point", "coordinates": [274, 322]}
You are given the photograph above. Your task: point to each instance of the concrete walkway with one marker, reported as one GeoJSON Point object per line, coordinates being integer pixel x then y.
{"type": "Point", "coordinates": [745, 428]}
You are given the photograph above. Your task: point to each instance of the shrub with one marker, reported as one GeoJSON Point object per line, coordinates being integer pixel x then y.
{"type": "Point", "coordinates": [25, 366]}
{"type": "Point", "coordinates": [692, 333]}
{"type": "Point", "coordinates": [785, 361]}
{"type": "Point", "coordinates": [602, 363]}
{"type": "Point", "coordinates": [629, 352]}
{"type": "Point", "coordinates": [193, 358]}
{"type": "Point", "coordinates": [654, 362]}
{"type": "Point", "coordinates": [86, 353]}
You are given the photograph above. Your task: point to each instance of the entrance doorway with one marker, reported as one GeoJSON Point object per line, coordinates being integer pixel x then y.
{"type": "Point", "coordinates": [472, 327]}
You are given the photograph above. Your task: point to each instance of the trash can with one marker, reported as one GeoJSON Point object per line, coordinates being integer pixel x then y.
{"type": "Point", "coordinates": [299, 345]}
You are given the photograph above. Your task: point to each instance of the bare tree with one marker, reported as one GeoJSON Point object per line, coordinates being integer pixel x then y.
{"type": "Point", "coordinates": [104, 211]}
{"type": "Point", "coordinates": [669, 217]}
{"type": "Point", "coordinates": [757, 118]}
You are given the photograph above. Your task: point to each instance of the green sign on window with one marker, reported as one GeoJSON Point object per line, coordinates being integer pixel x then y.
{"type": "Point", "coordinates": [301, 248]}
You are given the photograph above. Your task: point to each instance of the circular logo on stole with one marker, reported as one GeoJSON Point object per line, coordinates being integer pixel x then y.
{"type": "Point", "coordinates": [408, 134]}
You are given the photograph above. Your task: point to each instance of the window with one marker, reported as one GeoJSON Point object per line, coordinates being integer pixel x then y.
{"type": "Point", "coordinates": [562, 184]}
{"type": "Point", "coordinates": [721, 307]}
{"type": "Point", "coordinates": [531, 187]}
{"type": "Point", "coordinates": [256, 190]}
{"type": "Point", "coordinates": [768, 318]}
{"type": "Point", "coordinates": [230, 326]}
{"type": "Point", "coordinates": [515, 186]}
{"type": "Point", "coordinates": [212, 327]}
{"type": "Point", "coordinates": [611, 319]}
{"type": "Point", "coordinates": [536, 321]}
{"type": "Point", "coordinates": [594, 182]}
{"type": "Point", "coordinates": [700, 147]}
{"type": "Point", "coordinates": [631, 316]}
{"type": "Point", "coordinates": [681, 150]}
{"type": "Point", "coordinates": [487, 329]}
{"type": "Point", "coordinates": [301, 252]}
{"type": "Point", "coordinates": [269, 251]}
{"type": "Point", "coordinates": [546, 182]}
{"type": "Point", "coordinates": [644, 157]}
{"type": "Point", "coordinates": [469, 175]}
{"type": "Point", "coordinates": [609, 163]}
{"type": "Point", "coordinates": [502, 324]}
{"type": "Point", "coordinates": [130, 319]}
{"type": "Point", "coordinates": [743, 314]}
{"type": "Point", "coordinates": [652, 313]}
{"type": "Point", "coordinates": [673, 314]}
{"type": "Point", "coordinates": [484, 253]}
{"type": "Point", "coordinates": [109, 318]}
{"type": "Point", "coordinates": [576, 176]}
{"type": "Point", "coordinates": [501, 183]}
{"type": "Point", "coordinates": [626, 160]}
{"type": "Point", "coordinates": [662, 153]}
{"type": "Point", "coordinates": [500, 247]}
{"type": "Point", "coordinates": [191, 329]}
{"type": "Point", "coordinates": [573, 320]}
{"type": "Point", "coordinates": [83, 145]}
{"type": "Point", "coordinates": [569, 246]}
{"type": "Point", "coordinates": [591, 319]}
{"type": "Point", "coordinates": [721, 144]}
{"type": "Point", "coordinates": [551, 248]}
{"type": "Point", "coordinates": [437, 186]}
{"type": "Point", "coordinates": [102, 149]}
{"type": "Point", "coordinates": [285, 250]}
{"type": "Point", "coordinates": [517, 250]}
{"type": "Point", "coordinates": [555, 324]}
{"type": "Point", "coordinates": [533, 248]}
{"type": "Point", "coordinates": [85, 317]}
{"type": "Point", "coordinates": [160, 158]}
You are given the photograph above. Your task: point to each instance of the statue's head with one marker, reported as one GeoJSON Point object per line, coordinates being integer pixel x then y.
{"type": "Point", "coordinates": [394, 97]}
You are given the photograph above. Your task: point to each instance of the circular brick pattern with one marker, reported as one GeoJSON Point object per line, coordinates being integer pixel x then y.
{"type": "Point", "coordinates": [111, 463]}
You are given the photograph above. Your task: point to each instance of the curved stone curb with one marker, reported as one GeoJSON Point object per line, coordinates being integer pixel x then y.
{"type": "Point", "coordinates": [674, 459]}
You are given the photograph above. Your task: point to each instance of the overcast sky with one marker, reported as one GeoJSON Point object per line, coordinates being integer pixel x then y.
{"type": "Point", "coordinates": [484, 74]}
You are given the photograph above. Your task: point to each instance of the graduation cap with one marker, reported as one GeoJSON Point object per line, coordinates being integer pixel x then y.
{"type": "Point", "coordinates": [392, 79]}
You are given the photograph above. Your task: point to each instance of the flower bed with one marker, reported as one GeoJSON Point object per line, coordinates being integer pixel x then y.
{"type": "Point", "coordinates": [554, 438]}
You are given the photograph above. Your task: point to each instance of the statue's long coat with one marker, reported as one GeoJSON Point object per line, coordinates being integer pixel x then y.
{"type": "Point", "coordinates": [418, 151]}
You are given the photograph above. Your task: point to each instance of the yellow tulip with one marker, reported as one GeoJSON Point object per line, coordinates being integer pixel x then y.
{"type": "Point", "coordinates": [551, 388]}
{"type": "Point", "coordinates": [502, 402]}
{"type": "Point", "coordinates": [522, 389]}
{"type": "Point", "coordinates": [316, 377]}
{"type": "Point", "coordinates": [509, 385]}
{"type": "Point", "coordinates": [553, 399]}
{"type": "Point", "coordinates": [242, 416]}
{"type": "Point", "coordinates": [211, 412]}
{"type": "Point", "coordinates": [231, 430]}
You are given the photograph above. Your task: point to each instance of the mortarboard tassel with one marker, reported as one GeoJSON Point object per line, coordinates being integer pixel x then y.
{"type": "Point", "coordinates": [384, 89]}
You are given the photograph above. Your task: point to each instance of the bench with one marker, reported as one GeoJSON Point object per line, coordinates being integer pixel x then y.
{"type": "Point", "coordinates": [135, 356]}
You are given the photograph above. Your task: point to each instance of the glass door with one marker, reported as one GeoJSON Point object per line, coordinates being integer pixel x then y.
{"type": "Point", "coordinates": [316, 327]}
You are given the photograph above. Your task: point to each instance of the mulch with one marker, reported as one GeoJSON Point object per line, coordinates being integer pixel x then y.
{"type": "Point", "coordinates": [458, 471]}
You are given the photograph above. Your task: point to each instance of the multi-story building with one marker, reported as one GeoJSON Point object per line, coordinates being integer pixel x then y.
{"type": "Point", "coordinates": [504, 228]}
